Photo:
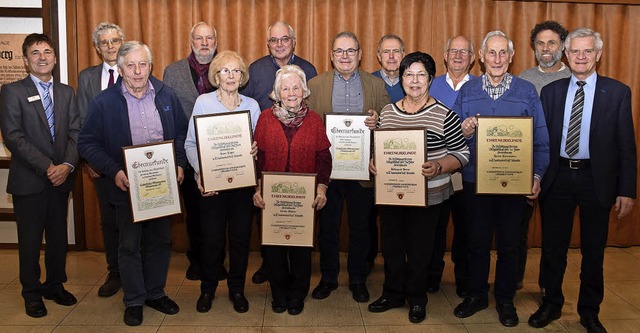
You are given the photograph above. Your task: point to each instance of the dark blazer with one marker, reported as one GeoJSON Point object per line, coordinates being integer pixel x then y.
{"type": "Point", "coordinates": [178, 76]}
{"type": "Point", "coordinates": [612, 147]}
{"type": "Point", "coordinates": [26, 134]}
{"type": "Point", "coordinates": [89, 85]}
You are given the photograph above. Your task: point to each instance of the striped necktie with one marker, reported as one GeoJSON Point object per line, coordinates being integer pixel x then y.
{"type": "Point", "coordinates": [47, 103]}
{"type": "Point", "coordinates": [572, 145]}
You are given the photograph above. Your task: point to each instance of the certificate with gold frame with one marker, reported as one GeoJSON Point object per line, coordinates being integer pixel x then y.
{"type": "Point", "coordinates": [151, 170]}
{"type": "Point", "coordinates": [350, 145]}
{"type": "Point", "coordinates": [504, 155]}
{"type": "Point", "coordinates": [398, 157]}
{"type": "Point", "coordinates": [224, 150]}
{"type": "Point", "coordinates": [288, 216]}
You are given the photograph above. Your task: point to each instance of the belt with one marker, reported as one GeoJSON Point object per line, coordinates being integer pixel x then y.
{"type": "Point", "coordinates": [575, 164]}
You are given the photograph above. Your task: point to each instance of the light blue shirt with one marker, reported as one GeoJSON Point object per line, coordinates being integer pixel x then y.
{"type": "Point", "coordinates": [585, 126]}
{"type": "Point", "coordinates": [41, 90]}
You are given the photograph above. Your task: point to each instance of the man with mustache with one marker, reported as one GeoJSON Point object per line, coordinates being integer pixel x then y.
{"type": "Point", "coordinates": [547, 40]}
{"type": "Point", "coordinates": [346, 89]}
{"type": "Point", "coordinates": [189, 78]}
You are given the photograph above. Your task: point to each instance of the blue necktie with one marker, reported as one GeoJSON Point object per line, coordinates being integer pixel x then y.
{"type": "Point", "coordinates": [47, 103]}
{"type": "Point", "coordinates": [572, 145]}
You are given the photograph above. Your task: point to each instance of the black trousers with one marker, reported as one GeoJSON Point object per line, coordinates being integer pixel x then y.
{"type": "Point", "coordinates": [44, 212]}
{"type": "Point", "coordinates": [436, 264]}
{"type": "Point", "coordinates": [460, 243]}
{"type": "Point", "coordinates": [191, 196]}
{"type": "Point", "coordinates": [485, 214]}
{"type": "Point", "coordinates": [289, 272]}
{"type": "Point", "coordinates": [407, 244]}
{"type": "Point", "coordinates": [572, 188]}
{"type": "Point", "coordinates": [227, 213]}
{"type": "Point", "coordinates": [524, 242]}
{"type": "Point", "coordinates": [108, 225]}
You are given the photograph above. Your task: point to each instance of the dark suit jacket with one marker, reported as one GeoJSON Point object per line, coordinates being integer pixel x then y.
{"type": "Point", "coordinates": [612, 147]}
{"type": "Point", "coordinates": [26, 134]}
{"type": "Point", "coordinates": [178, 76]}
{"type": "Point", "coordinates": [89, 85]}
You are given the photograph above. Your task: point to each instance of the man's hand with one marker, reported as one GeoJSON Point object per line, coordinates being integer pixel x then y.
{"type": "Point", "coordinates": [372, 120]}
{"type": "Point", "coordinates": [623, 206]}
{"type": "Point", "coordinates": [372, 167]}
{"type": "Point", "coordinates": [469, 126]}
{"type": "Point", "coordinates": [257, 198]}
{"type": "Point", "coordinates": [180, 175]}
{"type": "Point", "coordinates": [57, 174]}
{"type": "Point", "coordinates": [535, 189]}
{"type": "Point", "coordinates": [121, 180]}
{"type": "Point", "coordinates": [202, 192]}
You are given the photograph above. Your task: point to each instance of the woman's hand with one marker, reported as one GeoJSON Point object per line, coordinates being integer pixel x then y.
{"type": "Point", "coordinates": [431, 169]}
{"type": "Point", "coordinates": [254, 150]}
{"type": "Point", "coordinates": [257, 198]}
{"type": "Point", "coordinates": [321, 197]}
{"type": "Point", "coordinates": [372, 167]}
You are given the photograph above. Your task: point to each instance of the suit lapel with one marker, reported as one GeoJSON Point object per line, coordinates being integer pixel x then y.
{"type": "Point", "coordinates": [38, 108]}
{"type": "Point", "coordinates": [599, 104]}
{"type": "Point", "coordinates": [188, 80]}
{"type": "Point", "coordinates": [95, 84]}
{"type": "Point", "coordinates": [60, 106]}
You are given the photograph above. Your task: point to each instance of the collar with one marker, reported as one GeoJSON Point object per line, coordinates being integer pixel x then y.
{"type": "Point", "coordinates": [353, 77]}
{"type": "Point", "coordinates": [125, 91]}
{"type": "Point", "coordinates": [562, 67]}
{"type": "Point", "coordinates": [450, 81]}
{"type": "Point", "coordinates": [275, 63]}
{"type": "Point", "coordinates": [505, 83]}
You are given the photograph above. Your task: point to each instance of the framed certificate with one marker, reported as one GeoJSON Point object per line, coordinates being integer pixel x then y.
{"type": "Point", "coordinates": [504, 155]}
{"type": "Point", "coordinates": [350, 145]}
{"type": "Point", "coordinates": [224, 150]}
{"type": "Point", "coordinates": [153, 191]}
{"type": "Point", "coordinates": [398, 156]}
{"type": "Point", "coordinates": [289, 214]}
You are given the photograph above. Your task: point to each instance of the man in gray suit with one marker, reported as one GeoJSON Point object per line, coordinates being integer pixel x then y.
{"type": "Point", "coordinates": [40, 125]}
{"type": "Point", "coordinates": [189, 79]}
{"type": "Point", "coordinates": [107, 39]}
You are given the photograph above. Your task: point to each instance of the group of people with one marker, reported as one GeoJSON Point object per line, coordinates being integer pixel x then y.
{"type": "Point", "coordinates": [119, 103]}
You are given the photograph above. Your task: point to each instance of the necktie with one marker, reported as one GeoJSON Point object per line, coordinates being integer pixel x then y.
{"type": "Point", "coordinates": [111, 82]}
{"type": "Point", "coordinates": [573, 133]}
{"type": "Point", "coordinates": [47, 103]}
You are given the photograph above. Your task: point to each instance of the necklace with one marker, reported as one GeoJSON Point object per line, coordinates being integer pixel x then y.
{"type": "Point", "coordinates": [235, 105]}
{"type": "Point", "coordinates": [420, 108]}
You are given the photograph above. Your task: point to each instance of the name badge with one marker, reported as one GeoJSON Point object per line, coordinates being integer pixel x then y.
{"type": "Point", "coordinates": [33, 98]}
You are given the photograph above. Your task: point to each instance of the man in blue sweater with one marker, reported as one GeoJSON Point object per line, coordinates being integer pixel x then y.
{"type": "Point", "coordinates": [390, 54]}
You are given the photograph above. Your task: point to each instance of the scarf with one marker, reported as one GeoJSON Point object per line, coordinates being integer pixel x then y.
{"type": "Point", "coordinates": [202, 70]}
{"type": "Point", "coordinates": [288, 118]}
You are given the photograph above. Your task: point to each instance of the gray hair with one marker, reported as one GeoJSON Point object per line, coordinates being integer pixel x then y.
{"type": "Point", "coordinates": [284, 73]}
{"type": "Point", "coordinates": [494, 34]}
{"type": "Point", "coordinates": [105, 27]}
{"type": "Point", "coordinates": [193, 29]}
{"type": "Point", "coordinates": [472, 47]}
{"type": "Point", "coordinates": [346, 34]}
{"type": "Point", "coordinates": [387, 37]}
{"type": "Point", "coordinates": [584, 32]}
{"type": "Point", "coordinates": [292, 33]}
{"type": "Point", "coordinates": [131, 46]}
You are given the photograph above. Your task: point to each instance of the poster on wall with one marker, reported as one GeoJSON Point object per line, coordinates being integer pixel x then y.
{"type": "Point", "coordinates": [11, 64]}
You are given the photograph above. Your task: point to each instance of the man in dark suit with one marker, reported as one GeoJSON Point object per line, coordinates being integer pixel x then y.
{"type": "Point", "coordinates": [107, 39]}
{"type": "Point", "coordinates": [593, 165]}
{"type": "Point", "coordinates": [40, 125]}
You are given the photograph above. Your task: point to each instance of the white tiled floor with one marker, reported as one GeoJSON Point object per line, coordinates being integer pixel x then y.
{"type": "Point", "coordinates": [339, 313]}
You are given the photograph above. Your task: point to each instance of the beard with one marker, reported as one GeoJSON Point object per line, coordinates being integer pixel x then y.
{"type": "Point", "coordinates": [204, 59]}
{"type": "Point", "coordinates": [554, 60]}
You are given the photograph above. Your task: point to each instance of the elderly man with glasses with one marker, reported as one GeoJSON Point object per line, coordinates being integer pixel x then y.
{"type": "Point", "coordinates": [347, 89]}
{"type": "Point", "coordinates": [281, 41]}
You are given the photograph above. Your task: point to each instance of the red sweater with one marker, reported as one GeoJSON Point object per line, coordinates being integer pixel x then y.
{"type": "Point", "coordinates": [277, 154]}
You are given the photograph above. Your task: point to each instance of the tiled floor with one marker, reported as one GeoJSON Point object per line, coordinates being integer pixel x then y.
{"type": "Point", "coordinates": [339, 313]}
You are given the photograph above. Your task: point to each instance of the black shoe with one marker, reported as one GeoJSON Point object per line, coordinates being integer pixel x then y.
{"type": "Point", "coordinates": [204, 302]}
{"type": "Point", "coordinates": [193, 272]}
{"type": "Point", "coordinates": [592, 324]}
{"type": "Point", "coordinates": [62, 297]}
{"type": "Point", "coordinates": [240, 303]}
{"type": "Point", "coordinates": [323, 290]}
{"type": "Point", "coordinates": [383, 304]}
{"type": "Point", "coordinates": [223, 273]}
{"type": "Point", "coordinates": [433, 289]}
{"type": "Point", "coordinates": [359, 292]}
{"type": "Point", "coordinates": [133, 315]}
{"type": "Point", "coordinates": [519, 285]}
{"type": "Point", "coordinates": [433, 285]}
{"type": "Point", "coordinates": [163, 304]}
{"type": "Point", "coordinates": [470, 306]}
{"type": "Point", "coordinates": [417, 313]}
{"type": "Point", "coordinates": [260, 276]}
{"type": "Point", "coordinates": [110, 286]}
{"type": "Point", "coordinates": [545, 314]}
{"type": "Point", "coordinates": [295, 307]}
{"type": "Point", "coordinates": [35, 309]}
{"type": "Point", "coordinates": [461, 289]}
{"type": "Point", "coordinates": [278, 308]}
{"type": "Point", "coordinates": [507, 314]}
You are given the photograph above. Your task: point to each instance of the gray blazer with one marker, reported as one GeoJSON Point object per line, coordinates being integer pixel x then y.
{"type": "Point", "coordinates": [178, 76]}
{"type": "Point", "coordinates": [26, 133]}
{"type": "Point", "coordinates": [89, 85]}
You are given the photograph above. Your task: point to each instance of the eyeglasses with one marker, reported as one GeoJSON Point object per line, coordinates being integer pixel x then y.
{"type": "Point", "coordinates": [201, 38]}
{"type": "Point", "coordinates": [462, 52]}
{"type": "Point", "coordinates": [421, 76]}
{"type": "Point", "coordinates": [283, 39]}
{"type": "Point", "coordinates": [349, 52]}
{"type": "Point", "coordinates": [226, 71]}
{"type": "Point", "coordinates": [494, 54]}
{"type": "Point", "coordinates": [112, 41]}
{"type": "Point", "coordinates": [586, 53]}
{"type": "Point", "coordinates": [391, 51]}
